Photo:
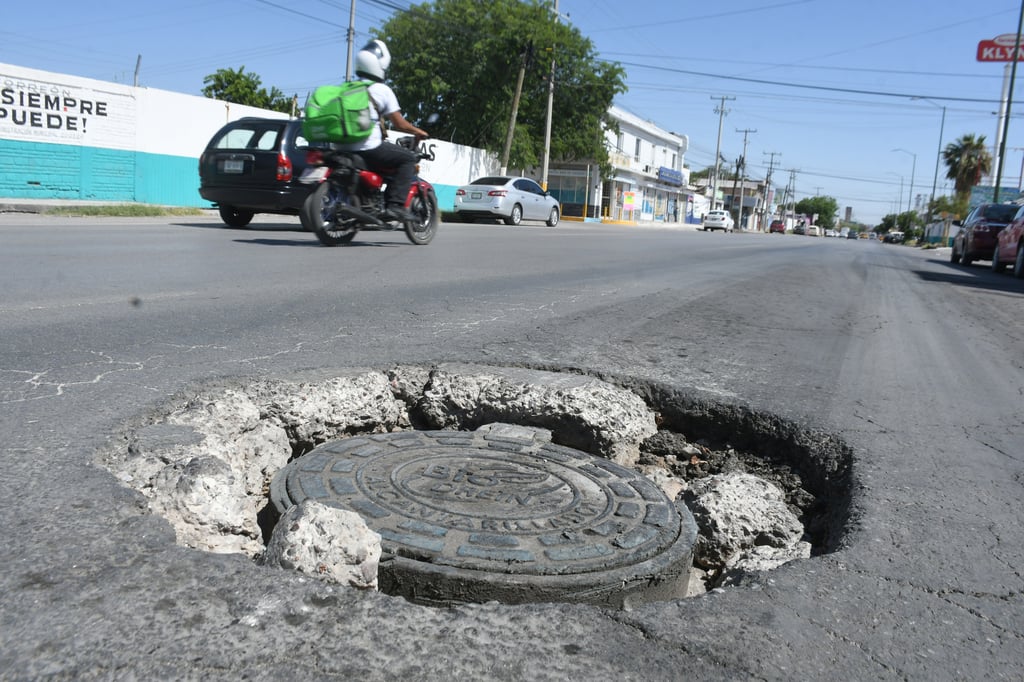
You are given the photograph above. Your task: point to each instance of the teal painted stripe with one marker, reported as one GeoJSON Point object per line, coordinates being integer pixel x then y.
{"type": "Point", "coordinates": [167, 180]}
{"type": "Point", "coordinates": [39, 170]}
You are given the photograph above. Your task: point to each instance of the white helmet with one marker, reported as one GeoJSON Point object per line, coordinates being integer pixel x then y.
{"type": "Point", "coordinates": [373, 60]}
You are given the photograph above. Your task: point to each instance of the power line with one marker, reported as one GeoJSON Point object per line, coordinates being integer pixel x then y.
{"type": "Point", "coordinates": [826, 88]}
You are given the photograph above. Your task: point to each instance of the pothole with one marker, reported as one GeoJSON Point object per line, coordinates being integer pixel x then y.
{"type": "Point", "coordinates": [493, 483]}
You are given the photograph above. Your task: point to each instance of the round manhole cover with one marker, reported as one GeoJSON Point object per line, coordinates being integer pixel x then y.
{"type": "Point", "coordinates": [474, 517]}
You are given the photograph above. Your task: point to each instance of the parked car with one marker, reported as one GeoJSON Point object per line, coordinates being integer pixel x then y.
{"type": "Point", "coordinates": [1009, 249]}
{"type": "Point", "coordinates": [852, 235]}
{"type": "Point", "coordinates": [252, 166]}
{"type": "Point", "coordinates": [511, 199]}
{"type": "Point", "coordinates": [976, 239]}
{"type": "Point", "coordinates": [777, 226]}
{"type": "Point", "coordinates": [812, 231]}
{"type": "Point", "coordinates": [718, 220]}
{"type": "Point", "coordinates": [800, 228]}
{"type": "Point", "coordinates": [894, 237]}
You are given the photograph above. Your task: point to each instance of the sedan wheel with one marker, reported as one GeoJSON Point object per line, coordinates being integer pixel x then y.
{"type": "Point", "coordinates": [516, 216]}
{"type": "Point", "coordinates": [1018, 263]}
{"type": "Point", "coordinates": [553, 218]}
{"type": "Point", "coordinates": [954, 257]}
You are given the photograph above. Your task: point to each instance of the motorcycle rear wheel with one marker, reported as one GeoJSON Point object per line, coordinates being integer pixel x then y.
{"type": "Point", "coordinates": [423, 229]}
{"type": "Point", "coordinates": [320, 215]}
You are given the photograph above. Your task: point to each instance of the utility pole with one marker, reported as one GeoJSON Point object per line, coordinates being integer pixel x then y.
{"type": "Point", "coordinates": [547, 124]}
{"type": "Point", "coordinates": [1009, 102]}
{"type": "Point", "coordinates": [721, 111]}
{"type": "Point", "coordinates": [768, 180]}
{"type": "Point", "coordinates": [739, 176]}
{"type": "Point", "coordinates": [515, 110]}
{"type": "Point", "coordinates": [351, 39]}
{"type": "Point", "coordinates": [789, 195]}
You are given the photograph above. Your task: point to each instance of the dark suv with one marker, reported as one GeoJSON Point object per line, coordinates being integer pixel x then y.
{"type": "Point", "coordinates": [976, 239]}
{"type": "Point", "coordinates": [253, 165]}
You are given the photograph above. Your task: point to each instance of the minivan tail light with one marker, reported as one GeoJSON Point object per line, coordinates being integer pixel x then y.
{"type": "Point", "coordinates": [284, 167]}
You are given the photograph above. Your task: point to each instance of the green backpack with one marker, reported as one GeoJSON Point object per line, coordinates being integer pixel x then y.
{"type": "Point", "coordinates": [339, 113]}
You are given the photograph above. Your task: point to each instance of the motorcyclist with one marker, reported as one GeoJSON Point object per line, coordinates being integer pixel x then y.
{"type": "Point", "coordinates": [372, 64]}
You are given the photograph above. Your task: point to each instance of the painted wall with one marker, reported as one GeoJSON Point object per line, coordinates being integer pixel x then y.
{"type": "Point", "coordinates": [65, 137]}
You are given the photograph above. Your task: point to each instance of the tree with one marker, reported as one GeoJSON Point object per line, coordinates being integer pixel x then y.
{"type": "Point", "coordinates": [825, 207]}
{"type": "Point", "coordinates": [967, 160]}
{"type": "Point", "coordinates": [956, 208]}
{"type": "Point", "coordinates": [725, 170]}
{"type": "Point", "coordinates": [244, 88]}
{"type": "Point", "coordinates": [460, 59]}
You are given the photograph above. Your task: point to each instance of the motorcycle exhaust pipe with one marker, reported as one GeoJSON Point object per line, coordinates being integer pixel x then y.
{"type": "Point", "coordinates": [362, 216]}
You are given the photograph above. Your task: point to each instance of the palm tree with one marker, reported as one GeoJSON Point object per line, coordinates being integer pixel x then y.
{"type": "Point", "coordinates": [967, 160]}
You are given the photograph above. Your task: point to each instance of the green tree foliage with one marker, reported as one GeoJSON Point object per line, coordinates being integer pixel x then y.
{"type": "Point", "coordinates": [826, 207]}
{"type": "Point", "coordinates": [954, 207]}
{"type": "Point", "coordinates": [240, 87]}
{"type": "Point", "coordinates": [460, 59]}
{"type": "Point", "coordinates": [967, 160]}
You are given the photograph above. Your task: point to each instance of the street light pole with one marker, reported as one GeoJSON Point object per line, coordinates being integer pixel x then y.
{"type": "Point", "coordinates": [913, 167]}
{"type": "Point", "coordinates": [938, 155]}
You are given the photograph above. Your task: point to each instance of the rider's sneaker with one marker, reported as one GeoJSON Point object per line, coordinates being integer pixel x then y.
{"type": "Point", "coordinates": [399, 213]}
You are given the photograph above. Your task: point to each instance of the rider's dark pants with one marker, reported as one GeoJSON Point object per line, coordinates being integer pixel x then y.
{"type": "Point", "coordinates": [400, 164]}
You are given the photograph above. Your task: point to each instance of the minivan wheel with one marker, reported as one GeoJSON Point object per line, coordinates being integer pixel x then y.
{"type": "Point", "coordinates": [997, 266]}
{"type": "Point", "coordinates": [235, 217]}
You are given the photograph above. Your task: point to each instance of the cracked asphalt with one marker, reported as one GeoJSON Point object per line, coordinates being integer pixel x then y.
{"type": "Point", "coordinates": [913, 364]}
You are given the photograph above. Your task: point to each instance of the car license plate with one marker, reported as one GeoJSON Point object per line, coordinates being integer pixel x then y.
{"type": "Point", "coordinates": [233, 166]}
{"type": "Point", "coordinates": [313, 174]}
{"type": "Point", "coordinates": [475, 195]}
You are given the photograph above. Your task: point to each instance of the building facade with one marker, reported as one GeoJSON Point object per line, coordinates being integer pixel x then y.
{"type": "Point", "coordinates": [648, 181]}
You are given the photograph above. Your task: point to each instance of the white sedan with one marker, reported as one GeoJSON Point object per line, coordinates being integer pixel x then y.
{"type": "Point", "coordinates": [718, 220]}
{"type": "Point", "coordinates": [510, 198]}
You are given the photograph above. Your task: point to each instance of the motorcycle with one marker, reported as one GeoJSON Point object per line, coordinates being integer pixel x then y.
{"type": "Point", "coordinates": [349, 197]}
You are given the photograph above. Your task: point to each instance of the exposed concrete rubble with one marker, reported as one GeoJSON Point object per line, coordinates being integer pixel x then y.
{"type": "Point", "coordinates": [332, 544]}
{"type": "Point", "coordinates": [206, 466]}
{"type": "Point", "coordinates": [583, 412]}
{"type": "Point", "coordinates": [738, 512]}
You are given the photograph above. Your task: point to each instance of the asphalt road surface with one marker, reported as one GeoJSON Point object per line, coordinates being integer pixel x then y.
{"type": "Point", "coordinates": [913, 363]}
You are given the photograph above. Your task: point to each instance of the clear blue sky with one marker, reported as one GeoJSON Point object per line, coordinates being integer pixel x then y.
{"type": "Point", "coordinates": [828, 85]}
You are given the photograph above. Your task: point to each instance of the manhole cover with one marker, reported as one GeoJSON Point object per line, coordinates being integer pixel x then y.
{"type": "Point", "coordinates": [475, 517]}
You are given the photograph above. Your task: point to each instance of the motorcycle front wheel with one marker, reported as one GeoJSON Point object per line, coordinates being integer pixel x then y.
{"type": "Point", "coordinates": [320, 215]}
{"type": "Point", "coordinates": [423, 229]}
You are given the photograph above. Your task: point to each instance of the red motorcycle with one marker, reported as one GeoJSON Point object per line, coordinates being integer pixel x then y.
{"type": "Point", "coordinates": [349, 197]}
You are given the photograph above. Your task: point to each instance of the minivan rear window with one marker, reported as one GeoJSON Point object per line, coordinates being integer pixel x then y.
{"type": "Point", "coordinates": [249, 138]}
{"type": "Point", "coordinates": [1000, 213]}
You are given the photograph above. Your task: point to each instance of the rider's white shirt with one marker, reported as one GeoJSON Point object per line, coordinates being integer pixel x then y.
{"type": "Point", "coordinates": [387, 104]}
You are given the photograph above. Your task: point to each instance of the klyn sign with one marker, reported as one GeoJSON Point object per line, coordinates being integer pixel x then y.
{"type": "Point", "coordinates": [999, 49]}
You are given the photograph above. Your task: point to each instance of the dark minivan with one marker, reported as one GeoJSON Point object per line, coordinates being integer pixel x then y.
{"type": "Point", "coordinates": [976, 239]}
{"type": "Point", "coordinates": [253, 165]}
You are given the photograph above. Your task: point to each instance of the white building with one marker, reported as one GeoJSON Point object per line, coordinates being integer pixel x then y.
{"type": "Point", "coordinates": [648, 180]}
